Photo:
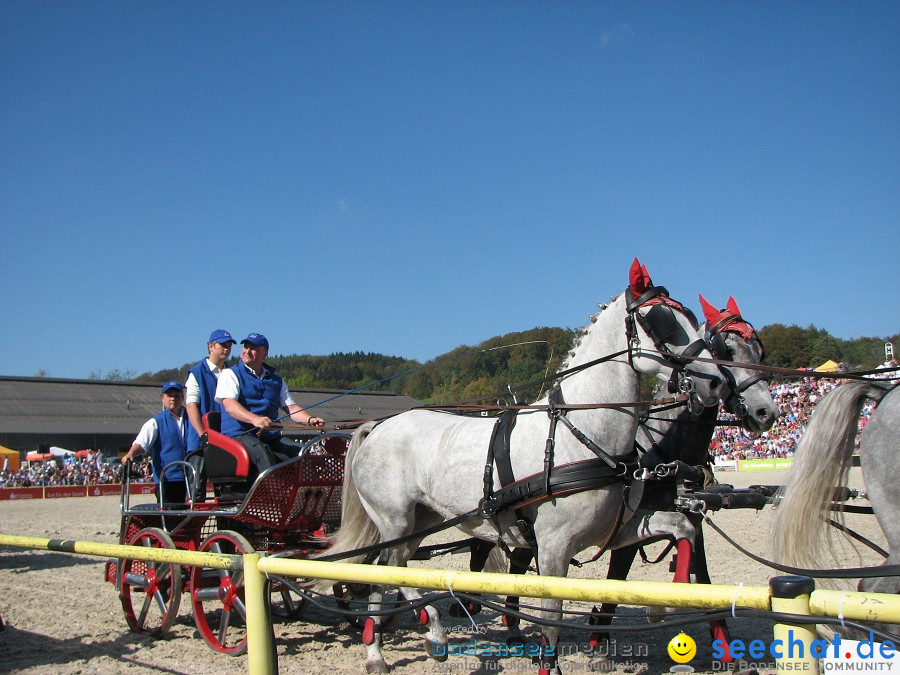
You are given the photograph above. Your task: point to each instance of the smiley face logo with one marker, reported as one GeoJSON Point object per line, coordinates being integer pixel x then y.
{"type": "Point", "coordinates": [682, 648]}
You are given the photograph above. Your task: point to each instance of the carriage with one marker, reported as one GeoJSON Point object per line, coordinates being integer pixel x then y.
{"type": "Point", "coordinates": [286, 510]}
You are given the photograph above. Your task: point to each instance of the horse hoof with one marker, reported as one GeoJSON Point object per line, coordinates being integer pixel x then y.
{"type": "Point", "coordinates": [377, 667]}
{"type": "Point", "coordinates": [436, 650]}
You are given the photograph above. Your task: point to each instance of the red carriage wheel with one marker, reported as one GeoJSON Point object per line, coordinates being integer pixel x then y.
{"type": "Point", "coordinates": [218, 596]}
{"type": "Point", "coordinates": [150, 591]}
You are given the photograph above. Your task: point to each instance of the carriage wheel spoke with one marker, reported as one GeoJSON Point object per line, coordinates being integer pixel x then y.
{"type": "Point", "coordinates": [145, 608]}
{"type": "Point", "coordinates": [160, 601]}
{"type": "Point", "coordinates": [224, 622]}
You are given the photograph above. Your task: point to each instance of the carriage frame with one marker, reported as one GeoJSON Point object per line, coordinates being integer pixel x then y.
{"type": "Point", "coordinates": [287, 510]}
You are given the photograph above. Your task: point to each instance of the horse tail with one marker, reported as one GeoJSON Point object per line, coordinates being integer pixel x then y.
{"type": "Point", "coordinates": [357, 528]}
{"type": "Point", "coordinates": [821, 463]}
{"type": "Point", "coordinates": [496, 562]}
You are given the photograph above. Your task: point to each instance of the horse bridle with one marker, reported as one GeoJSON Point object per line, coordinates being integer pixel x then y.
{"type": "Point", "coordinates": [659, 323]}
{"type": "Point", "coordinates": [734, 401]}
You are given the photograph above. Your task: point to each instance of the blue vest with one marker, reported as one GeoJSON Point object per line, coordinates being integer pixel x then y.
{"type": "Point", "coordinates": [170, 445]}
{"type": "Point", "coordinates": [207, 382]}
{"type": "Point", "coordinates": [259, 395]}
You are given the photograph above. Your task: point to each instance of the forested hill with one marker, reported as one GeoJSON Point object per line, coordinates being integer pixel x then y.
{"type": "Point", "coordinates": [516, 359]}
{"type": "Point", "coordinates": [464, 373]}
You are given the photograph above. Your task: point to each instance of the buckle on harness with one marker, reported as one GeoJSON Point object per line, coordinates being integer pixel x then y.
{"type": "Point", "coordinates": [489, 506]}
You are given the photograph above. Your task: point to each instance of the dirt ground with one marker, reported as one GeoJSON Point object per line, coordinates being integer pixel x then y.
{"type": "Point", "coordinates": [62, 616]}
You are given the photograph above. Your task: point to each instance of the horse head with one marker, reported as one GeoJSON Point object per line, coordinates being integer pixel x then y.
{"type": "Point", "coordinates": [746, 393]}
{"type": "Point", "coordinates": [663, 338]}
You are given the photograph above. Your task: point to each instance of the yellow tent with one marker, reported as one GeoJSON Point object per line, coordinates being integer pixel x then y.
{"type": "Point", "coordinates": [12, 456]}
{"type": "Point", "coordinates": [829, 367]}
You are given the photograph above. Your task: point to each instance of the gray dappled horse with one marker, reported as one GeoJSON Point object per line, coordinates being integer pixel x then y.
{"type": "Point", "coordinates": [821, 464]}
{"type": "Point", "coordinates": [674, 433]}
{"type": "Point", "coordinates": [420, 468]}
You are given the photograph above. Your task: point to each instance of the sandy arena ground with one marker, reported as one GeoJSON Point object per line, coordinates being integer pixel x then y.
{"type": "Point", "coordinates": [62, 616]}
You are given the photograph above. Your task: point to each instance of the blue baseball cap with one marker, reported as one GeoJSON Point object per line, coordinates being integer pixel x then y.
{"type": "Point", "coordinates": [221, 336]}
{"type": "Point", "coordinates": [172, 384]}
{"type": "Point", "coordinates": [257, 340]}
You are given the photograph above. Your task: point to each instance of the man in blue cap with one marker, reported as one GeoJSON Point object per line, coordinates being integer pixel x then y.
{"type": "Point", "coordinates": [164, 437]}
{"type": "Point", "coordinates": [200, 398]}
{"type": "Point", "coordinates": [200, 386]}
{"type": "Point", "coordinates": [252, 395]}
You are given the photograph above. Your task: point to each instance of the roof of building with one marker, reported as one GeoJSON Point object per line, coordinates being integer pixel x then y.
{"type": "Point", "coordinates": [39, 405]}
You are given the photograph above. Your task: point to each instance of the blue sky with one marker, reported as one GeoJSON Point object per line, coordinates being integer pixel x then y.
{"type": "Point", "coordinates": [408, 177]}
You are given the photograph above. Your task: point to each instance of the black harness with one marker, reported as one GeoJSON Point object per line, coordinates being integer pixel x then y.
{"type": "Point", "coordinates": [553, 481]}
{"type": "Point", "coordinates": [660, 324]}
{"type": "Point", "coordinates": [556, 481]}
{"type": "Point", "coordinates": [733, 401]}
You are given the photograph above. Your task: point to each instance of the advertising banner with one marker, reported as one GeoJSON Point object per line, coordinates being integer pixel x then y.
{"type": "Point", "coordinates": [59, 491]}
{"type": "Point", "coordinates": [765, 464]}
{"type": "Point", "coordinates": [111, 489]}
{"type": "Point", "coordinates": [21, 493]}
{"type": "Point", "coordinates": [65, 491]}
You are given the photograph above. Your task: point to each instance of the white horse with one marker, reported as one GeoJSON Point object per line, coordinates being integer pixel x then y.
{"type": "Point", "coordinates": [821, 463]}
{"type": "Point", "coordinates": [420, 468]}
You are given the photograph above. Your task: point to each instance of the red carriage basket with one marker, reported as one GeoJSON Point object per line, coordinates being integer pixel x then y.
{"type": "Point", "coordinates": [286, 510]}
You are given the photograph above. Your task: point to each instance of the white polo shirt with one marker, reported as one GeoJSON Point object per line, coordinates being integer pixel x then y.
{"type": "Point", "coordinates": [192, 387]}
{"type": "Point", "coordinates": [150, 431]}
{"type": "Point", "coordinates": [230, 387]}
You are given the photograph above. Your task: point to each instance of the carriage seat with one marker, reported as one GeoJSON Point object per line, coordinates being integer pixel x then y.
{"type": "Point", "coordinates": [226, 462]}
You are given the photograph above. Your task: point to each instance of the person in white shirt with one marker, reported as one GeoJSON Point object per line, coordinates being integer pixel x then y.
{"type": "Point", "coordinates": [200, 398]}
{"type": "Point", "coordinates": [164, 438]}
{"type": "Point", "coordinates": [252, 394]}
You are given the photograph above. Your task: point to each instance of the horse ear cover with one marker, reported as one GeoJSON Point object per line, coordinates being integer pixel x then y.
{"type": "Point", "coordinates": [710, 312]}
{"type": "Point", "coordinates": [639, 279]}
{"type": "Point", "coordinates": [732, 306]}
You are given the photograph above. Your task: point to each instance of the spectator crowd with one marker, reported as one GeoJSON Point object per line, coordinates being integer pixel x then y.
{"type": "Point", "coordinates": [796, 401]}
{"type": "Point", "coordinates": [72, 470]}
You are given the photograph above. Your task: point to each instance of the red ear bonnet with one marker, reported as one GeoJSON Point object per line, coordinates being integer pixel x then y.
{"type": "Point", "coordinates": [639, 279]}
{"type": "Point", "coordinates": [710, 312]}
{"type": "Point", "coordinates": [732, 306]}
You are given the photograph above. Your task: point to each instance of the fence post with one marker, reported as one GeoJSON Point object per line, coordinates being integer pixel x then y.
{"type": "Point", "coordinates": [794, 641]}
{"type": "Point", "coordinates": [261, 656]}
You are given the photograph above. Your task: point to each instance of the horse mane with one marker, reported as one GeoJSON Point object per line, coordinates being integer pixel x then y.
{"type": "Point", "coordinates": [580, 332]}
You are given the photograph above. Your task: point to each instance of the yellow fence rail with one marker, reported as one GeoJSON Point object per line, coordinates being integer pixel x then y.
{"type": "Point", "coordinates": [849, 605]}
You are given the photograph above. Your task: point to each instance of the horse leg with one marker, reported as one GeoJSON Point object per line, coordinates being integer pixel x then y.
{"type": "Point", "coordinates": [398, 557]}
{"type": "Point", "coordinates": [436, 638]}
{"type": "Point", "coordinates": [518, 564]}
{"type": "Point", "coordinates": [479, 550]}
{"type": "Point", "coordinates": [552, 563]}
{"type": "Point", "coordinates": [371, 635]}
{"type": "Point", "coordinates": [718, 630]}
{"type": "Point", "coordinates": [620, 561]}
{"type": "Point", "coordinates": [648, 526]}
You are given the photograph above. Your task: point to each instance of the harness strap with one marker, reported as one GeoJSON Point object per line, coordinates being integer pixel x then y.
{"type": "Point", "coordinates": [499, 455]}
{"type": "Point", "coordinates": [420, 534]}
{"type": "Point", "coordinates": [588, 474]}
{"type": "Point", "coordinates": [848, 573]}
